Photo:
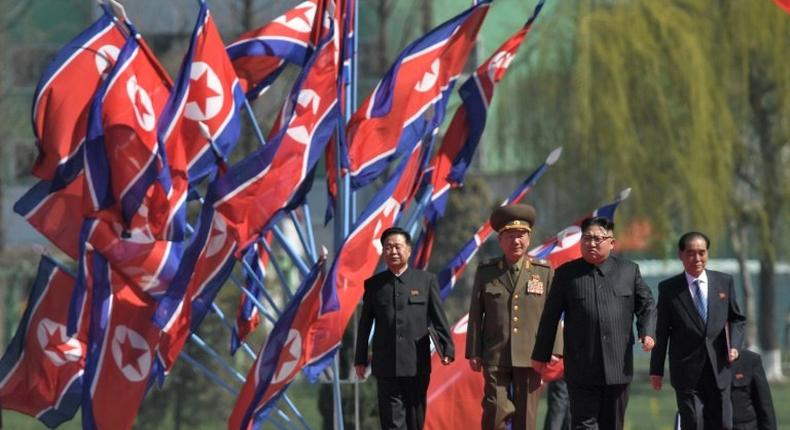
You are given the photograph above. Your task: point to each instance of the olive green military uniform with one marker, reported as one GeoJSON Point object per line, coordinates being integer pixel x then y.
{"type": "Point", "coordinates": [507, 302]}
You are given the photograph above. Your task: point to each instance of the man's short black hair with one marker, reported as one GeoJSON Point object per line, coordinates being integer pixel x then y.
{"type": "Point", "coordinates": [688, 237]}
{"type": "Point", "coordinates": [396, 230]}
{"type": "Point", "coordinates": [601, 221]}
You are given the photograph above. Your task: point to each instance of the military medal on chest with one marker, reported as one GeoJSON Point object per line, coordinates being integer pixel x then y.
{"type": "Point", "coordinates": [535, 285]}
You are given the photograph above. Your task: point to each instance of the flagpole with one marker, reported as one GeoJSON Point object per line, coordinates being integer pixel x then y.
{"type": "Point", "coordinates": [280, 274]}
{"type": "Point", "coordinates": [305, 235]}
{"type": "Point", "coordinates": [289, 249]}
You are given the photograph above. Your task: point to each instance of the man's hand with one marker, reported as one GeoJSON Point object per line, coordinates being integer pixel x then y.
{"type": "Point", "coordinates": [446, 360]}
{"type": "Point", "coordinates": [647, 343]}
{"type": "Point", "coordinates": [734, 354]}
{"type": "Point", "coordinates": [539, 366]}
{"type": "Point", "coordinates": [360, 371]}
{"type": "Point", "coordinates": [474, 364]}
{"type": "Point", "coordinates": [656, 382]}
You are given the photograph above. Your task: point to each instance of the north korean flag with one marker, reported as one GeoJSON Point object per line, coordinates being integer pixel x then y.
{"type": "Point", "coordinates": [123, 344]}
{"type": "Point", "coordinates": [41, 371]}
{"type": "Point", "coordinates": [455, 391]}
{"type": "Point", "coordinates": [206, 94]}
{"type": "Point", "coordinates": [122, 157]}
{"type": "Point", "coordinates": [450, 274]}
{"type": "Point", "coordinates": [397, 114]}
{"type": "Point", "coordinates": [260, 55]}
{"type": "Point", "coordinates": [357, 260]}
{"type": "Point", "coordinates": [257, 189]}
{"type": "Point", "coordinates": [147, 262]}
{"type": "Point", "coordinates": [286, 351]}
{"type": "Point", "coordinates": [466, 128]}
{"type": "Point", "coordinates": [63, 96]}
{"type": "Point", "coordinates": [207, 263]}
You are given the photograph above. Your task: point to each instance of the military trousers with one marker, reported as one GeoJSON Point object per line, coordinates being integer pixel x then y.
{"type": "Point", "coordinates": [510, 393]}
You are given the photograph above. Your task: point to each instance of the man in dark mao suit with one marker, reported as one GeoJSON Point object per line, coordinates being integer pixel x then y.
{"type": "Point", "coordinates": [600, 295]}
{"type": "Point", "coordinates": [752, 407]}
{"type": "Point", "coordinates": [405, 305]}
{"type": "Point", "coordinates": [699, 322]}
{"type": "Point", "coordinates": [507, 300]}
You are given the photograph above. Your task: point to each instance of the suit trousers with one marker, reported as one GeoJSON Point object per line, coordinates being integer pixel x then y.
{"type": "Point", "coordinates": [704, 406]}
{"type": "Point", "coordinates": [402, 402]}
{"type": "Point", "coordinates": [510, 393]}
{"type": "Point", "coordinates": [598, 406]}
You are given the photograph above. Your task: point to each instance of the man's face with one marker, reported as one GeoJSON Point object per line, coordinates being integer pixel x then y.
{"type": "Point", "coordinates": [596, 244]}
{"type": "Point", "coordinates": [514, 244]}
{"type": "Point", "coordinates": [694, 257]}
{"type": "Point", "coordinates": [396, 252]}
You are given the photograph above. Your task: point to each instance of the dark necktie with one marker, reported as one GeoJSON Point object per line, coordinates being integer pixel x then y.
{"type": "Point", "coordinates": [699, 302]}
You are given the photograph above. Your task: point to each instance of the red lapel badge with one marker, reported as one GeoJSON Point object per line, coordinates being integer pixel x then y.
{"type": "Point", "coordinates": [722, 296]}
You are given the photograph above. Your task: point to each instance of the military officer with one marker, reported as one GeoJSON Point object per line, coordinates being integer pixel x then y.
{"type": "Point", "coordinates": [507, 301]}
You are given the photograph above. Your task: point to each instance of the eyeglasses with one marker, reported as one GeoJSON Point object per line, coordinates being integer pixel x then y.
{"type": "Point", "coordinates": [589, 238]}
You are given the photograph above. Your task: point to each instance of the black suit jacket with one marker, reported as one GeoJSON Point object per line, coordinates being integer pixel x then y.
{"type": "Point", "coordinates": [752, 407]}
{"type": "Point", "coordinates": [600, 303]}
{"type": "Point", "coordinates": [403, 308]}
{"type": "Point", "coordinates": [690, 341]}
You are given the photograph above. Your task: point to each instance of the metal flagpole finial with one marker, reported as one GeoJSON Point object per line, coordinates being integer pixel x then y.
{"type": "Point", "coordinates": [554, 156]}
{"type": "Point", "coordinates": [117, 8]}
{"type": "Point", "coordinates": [324, 253]}
{"type": "Point", "coordinates": [624, 194]}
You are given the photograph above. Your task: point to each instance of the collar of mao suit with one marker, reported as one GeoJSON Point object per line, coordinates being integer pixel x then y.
{"type": "Point", "coordinates": [604, 268]}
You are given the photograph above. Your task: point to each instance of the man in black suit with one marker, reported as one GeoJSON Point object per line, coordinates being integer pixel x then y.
{"type": "Point", "coordinates": [752, 407]}
{"type": "Point", "coordinates": [600, 295]}
{"type": "Point", "coordinates": [406, 307]}
{"type": "Point", "coordinates": [699, 322]}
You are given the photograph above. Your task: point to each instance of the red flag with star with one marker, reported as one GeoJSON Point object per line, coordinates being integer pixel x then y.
{"type": "Point", "coordinates": [122, 155]}
{"type": "Point", "coordinates": [285, 353]}
{"type": "Point", "coordinates": [398, 113]}
{"type": "Point", "coordinates": [206, 96]}
{"type": "Point", "coordinates": [41, 371]}
{"type": "Point", "coordinates": [63, 96]}
{"type": "Point", "coordinates": [122, 348]}
{"type": "Point", "coordinates": [259, 187]}
{"type": "Point", "coordinates": [260, 55]}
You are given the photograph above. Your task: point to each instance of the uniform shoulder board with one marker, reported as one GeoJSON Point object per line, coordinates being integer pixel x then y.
{"type": "Point", "coordinates": [489, 262]}
{"type": "Point", "coordinates": [541, 262]}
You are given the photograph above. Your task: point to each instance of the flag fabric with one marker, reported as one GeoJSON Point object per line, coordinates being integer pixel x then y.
{"type": "Point", "coordinates": [51, 213]}
{"type": "Point", "coordinates": [455, 390]}
{"type": "Point", "coordinates": [564, 246]}
{"type": "Point", "coordinates": [147, 263]}
{"type": "Point", "coordinates": [286, 351]}
{"type": "Point", "coordinates": [260, 55]}
{"type": "Point", "coordinates": [783, 4]}
{"type": "Point", "coordinates": [450, 274]}
{"type": "Point", "coordinates": [397, 114]}
{"type": "Point", "coordinates": [41, 370]}
{"type": "Point", "coordinates": [121, 350]}
{"type": "Point", "coordinates": [206, 92]}
{"type": "Point", "coordinates": [247, 316]}
{"type": "Point", "coordinates": [466, 128]}
{"type": "Point", "coordinates": [122, 158]}
{"type": "Point", "coordinates": [256, 190]}
{"type": "Point", "coordinates": [207, 263]}
{"type": "Point", "coordinates": [63, 96]}
{"type": "Point", "coordinates": [357, 260]}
